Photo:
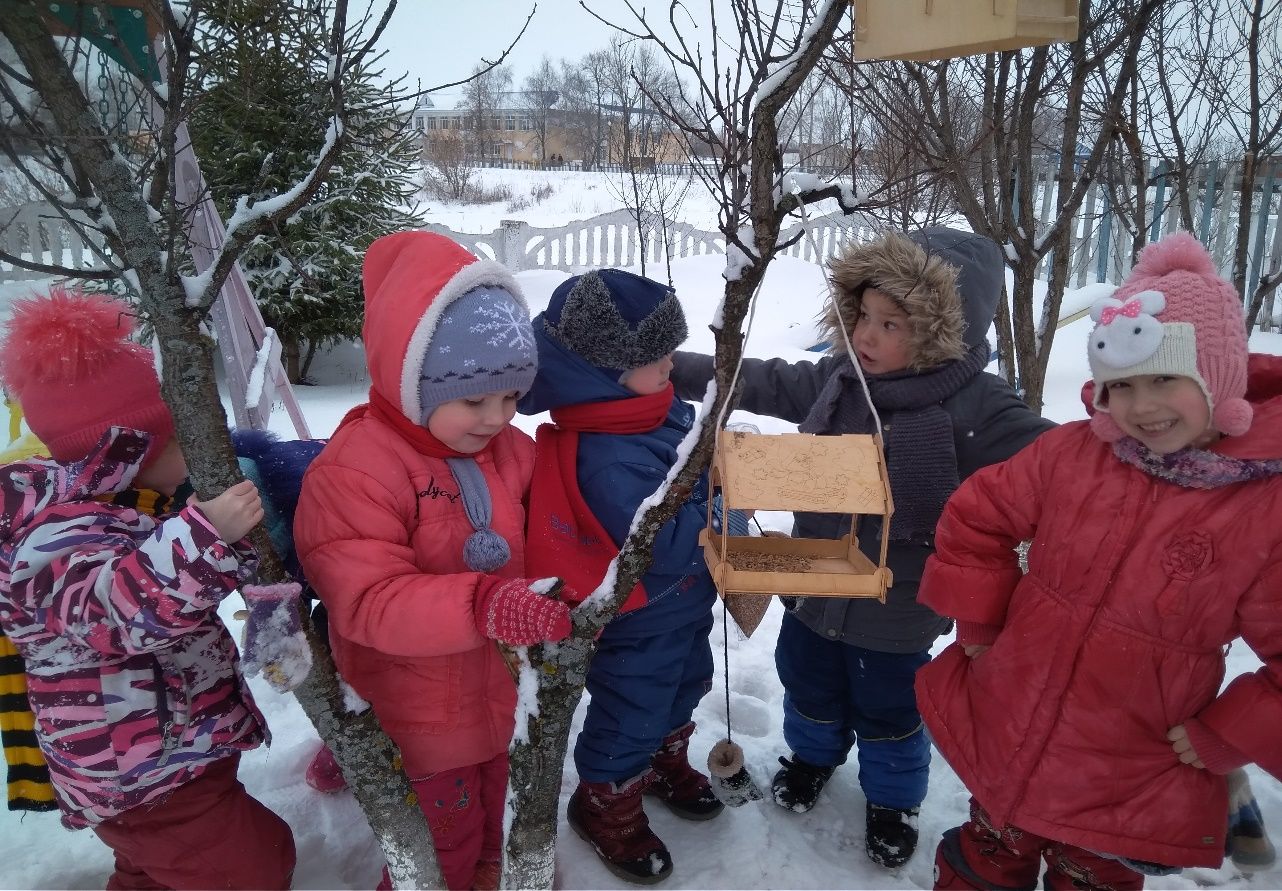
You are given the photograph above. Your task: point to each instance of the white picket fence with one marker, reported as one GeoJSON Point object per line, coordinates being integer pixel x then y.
{"type": "Point", "coordinates": [38, 233]}
{"type": "Point", "coordinates": [617, 238]}
{"type": "Point", "coordinates": [1101, 245]}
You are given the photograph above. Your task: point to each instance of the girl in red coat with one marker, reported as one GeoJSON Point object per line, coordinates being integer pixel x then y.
{"type": "Point", "coordinates": [1081, 704]}
{"type": "Point", "coordinates": [410, 528]}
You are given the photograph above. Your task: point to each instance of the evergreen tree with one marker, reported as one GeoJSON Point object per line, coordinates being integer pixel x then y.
{"type": "Point", "coordinates": [254, 130]}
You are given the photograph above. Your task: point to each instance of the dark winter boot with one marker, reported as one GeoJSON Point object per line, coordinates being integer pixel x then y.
{"type": "Point", "coordinates": [891, 836]}
{"type": "Point", "coordinates": [685, 791]}
{"type": "Point", "coordinates": [798, 783]}
{"type": "Point", "coordinates": [609, 817]}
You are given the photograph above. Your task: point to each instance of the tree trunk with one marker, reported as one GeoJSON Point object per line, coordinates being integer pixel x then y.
{"type": "Point", "coordinates": [290, 353]}
{"type": "Point", "coordinates": [189, 388]}
{"type": "Point", "coordinates": [558, 672]}
{"type": "Point", "coordinates": [1031, 377]}
{"type": "Point", "coordinates": [307, 362]}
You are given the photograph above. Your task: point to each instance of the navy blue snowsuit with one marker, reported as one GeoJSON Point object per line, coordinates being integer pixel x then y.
{"type": "Point", "coordinates": [653, 664]}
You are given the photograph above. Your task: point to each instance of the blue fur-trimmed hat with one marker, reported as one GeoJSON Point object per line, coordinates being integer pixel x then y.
{"type": "Point", "coordinates": [616, 320]}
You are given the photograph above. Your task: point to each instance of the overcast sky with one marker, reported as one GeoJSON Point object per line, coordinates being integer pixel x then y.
{"type": "Point", "coordinates": [439, 41]}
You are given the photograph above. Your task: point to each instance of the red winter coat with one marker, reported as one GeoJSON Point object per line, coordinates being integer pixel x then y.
{"type": "Point", "coordinates": [1116, 634]}
{"type": "Point", "coordinates": [380, 530]}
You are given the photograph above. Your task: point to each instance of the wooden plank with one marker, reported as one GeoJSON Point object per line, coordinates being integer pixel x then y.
{"type": "Point", "coordinates": [799, 471]}
{"type": "Point", "coordinates": [1257, 255]}
{"type": "Point", "coordinates": [1211, 174]}
{"type": "Point", "coordinates": [1159, 201]}
{"type": "Point", "coordinates": [1223, 221]}
{"type": "Point", "coordinates": [1080, 244]}
{"type": "Point", "coordinates": [1103, 247]}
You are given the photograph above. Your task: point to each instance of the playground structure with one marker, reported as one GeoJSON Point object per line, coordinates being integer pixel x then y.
{"type": "Point", "coordinates": [125, 36]}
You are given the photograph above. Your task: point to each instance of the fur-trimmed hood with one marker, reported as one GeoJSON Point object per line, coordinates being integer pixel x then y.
{"type": "Point", "coordinates": [948, 282]}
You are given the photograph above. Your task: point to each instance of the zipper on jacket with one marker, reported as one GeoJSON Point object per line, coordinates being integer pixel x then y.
{"type": "Point", "coordinates": [166, 718]}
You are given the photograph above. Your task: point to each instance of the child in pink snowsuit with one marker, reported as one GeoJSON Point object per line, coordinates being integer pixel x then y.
{"type": "Point", "coordinates": [110, 590]}
{"type": "Point", "coordinates": [1081, 704]}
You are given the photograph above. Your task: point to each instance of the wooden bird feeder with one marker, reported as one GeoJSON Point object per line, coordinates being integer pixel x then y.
{"type": "Point", "coordinates": [799, 472]}
{"type": "Point", "coordinates": [926, 30]}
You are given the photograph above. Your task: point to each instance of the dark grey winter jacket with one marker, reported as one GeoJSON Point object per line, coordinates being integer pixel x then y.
{"type": "Point", "coordinates": [990, 423]}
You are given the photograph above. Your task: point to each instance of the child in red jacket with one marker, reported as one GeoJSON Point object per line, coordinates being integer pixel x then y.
{"type": "Point", "coordinates": [410, 527]}
{"type": "Point", "coordinates": [1081, 704]}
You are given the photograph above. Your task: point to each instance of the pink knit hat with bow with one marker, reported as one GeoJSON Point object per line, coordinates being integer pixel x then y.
{"type": "Point", "coordinates": [1173, 315]}
{"type": "Point", "coordinates": [68, 361]}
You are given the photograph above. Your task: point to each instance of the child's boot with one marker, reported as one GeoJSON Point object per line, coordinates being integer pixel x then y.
{"type": "Point", "coordinates": [798, 783]}
{"type": "Point", "coordinates": [609, 817]}
{"type": "Point", "coordinates": [891, 835]}
{"type": "Point", "coordinates": [324, 774]}
{"type": "Point", "coordinates": [685, 791]}
{"type": "Point", "coordinates": [1247, 844]}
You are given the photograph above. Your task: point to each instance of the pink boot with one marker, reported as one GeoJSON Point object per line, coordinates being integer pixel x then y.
{"type": "Point", "coordinates": [324, 774]}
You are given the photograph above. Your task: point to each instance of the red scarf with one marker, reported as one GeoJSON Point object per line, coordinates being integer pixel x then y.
{"type": "Point", "coordinates": [423, 442]}
{"type": "Point", "coordinates": [564, 537]}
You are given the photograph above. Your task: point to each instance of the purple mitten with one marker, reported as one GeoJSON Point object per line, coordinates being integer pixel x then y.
{"type": "Point", "coordinates": [274, 643]}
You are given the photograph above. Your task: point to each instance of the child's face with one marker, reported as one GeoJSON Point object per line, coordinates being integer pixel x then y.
{"type": "Point", "coordinates": [166, 472]}
{"type": "Point", "coordinates": [880, 335]}
{"type": "Point", "coordinates": [467, 425]}
{"type": "Point", "coordinates": [649, 379]}
{"type": "Point", "coordinates": [1165, 412]}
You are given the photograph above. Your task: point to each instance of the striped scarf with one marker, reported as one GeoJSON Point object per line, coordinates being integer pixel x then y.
{"type": "Point", "coordinates": [28, 775]}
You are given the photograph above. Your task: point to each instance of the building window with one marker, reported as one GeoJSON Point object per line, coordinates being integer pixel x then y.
{"type": "Point", "coordinates": [494, 122]}
{"type": "Point", "coordinates": [431, 123]}
{"type": "Point", "coordinates": [511, 122]}
{"type": "Point", "coordinates": [458, 123]}
{"type": "Point", "coordinates": [525, 123]}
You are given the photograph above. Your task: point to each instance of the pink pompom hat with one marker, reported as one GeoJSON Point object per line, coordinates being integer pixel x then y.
{"type": "Point", "coordinates": [68, 360]}
{"type": "Point", "coordinates": [1174, 314]}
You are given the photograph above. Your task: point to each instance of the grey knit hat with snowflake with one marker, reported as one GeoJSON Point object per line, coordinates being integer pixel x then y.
{"type": "Point", "coordinates": [616, 320]}
{"type": "Point", "coordinates": [483, 343]}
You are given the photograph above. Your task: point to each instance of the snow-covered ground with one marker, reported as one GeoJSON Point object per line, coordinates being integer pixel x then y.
{"type": "Point", "coordinates": [757, 846]}
{"type": "Point", "coordinates": [574, 195]}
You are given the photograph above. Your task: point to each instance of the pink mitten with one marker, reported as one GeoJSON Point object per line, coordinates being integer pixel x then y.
{"type": "Point", "coordinates": [515, 612]}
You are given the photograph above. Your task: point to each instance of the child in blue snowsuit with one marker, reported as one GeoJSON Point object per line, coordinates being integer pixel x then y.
{"type": "Point", "coordinates": [605, 349]}
{"type": "Point", "coordinates": [916, 309]}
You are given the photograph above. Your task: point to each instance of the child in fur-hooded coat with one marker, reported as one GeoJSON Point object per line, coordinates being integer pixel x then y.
{"type": "Point", "coordinates": [916, 309]}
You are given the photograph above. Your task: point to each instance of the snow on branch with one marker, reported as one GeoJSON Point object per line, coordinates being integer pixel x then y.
{"type": "Point", "coordinates": [796, 65]}
{"type": "Point", "coordinates": [249, 220]}
{"type": "Point", "coordinates": [258, 374]}
{"type": "Point", "coordinates": [807, 188]}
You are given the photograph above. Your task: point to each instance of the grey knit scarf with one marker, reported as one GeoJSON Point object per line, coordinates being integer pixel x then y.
{"type": "Point", "coordinates": [485, 550]}
{"type": "Point", "coordinates": [1195, 468]}
{"type": "Point", "coordinates": [921, 456]}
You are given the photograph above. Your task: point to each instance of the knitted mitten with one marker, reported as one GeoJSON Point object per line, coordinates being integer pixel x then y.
{"type": "Point", "coordinates": [274, 643]}
{"type": "Point", "coordinates": [518, 612]}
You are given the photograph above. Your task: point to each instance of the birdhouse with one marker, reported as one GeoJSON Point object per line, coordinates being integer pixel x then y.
{"type": "Point", "coordinates": [924, 30]}
{"type": "Point", "coordinates": [799, 472]}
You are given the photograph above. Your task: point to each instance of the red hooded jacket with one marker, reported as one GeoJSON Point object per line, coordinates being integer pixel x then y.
{"type": "Point", "coordinates": [380, 530]}
{"type": "Point", "coordinates": [1135, 587]}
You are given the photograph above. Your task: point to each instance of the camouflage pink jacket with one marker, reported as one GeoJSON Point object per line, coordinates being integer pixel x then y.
{"type": "Point", "coordinates": [132, 676]}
